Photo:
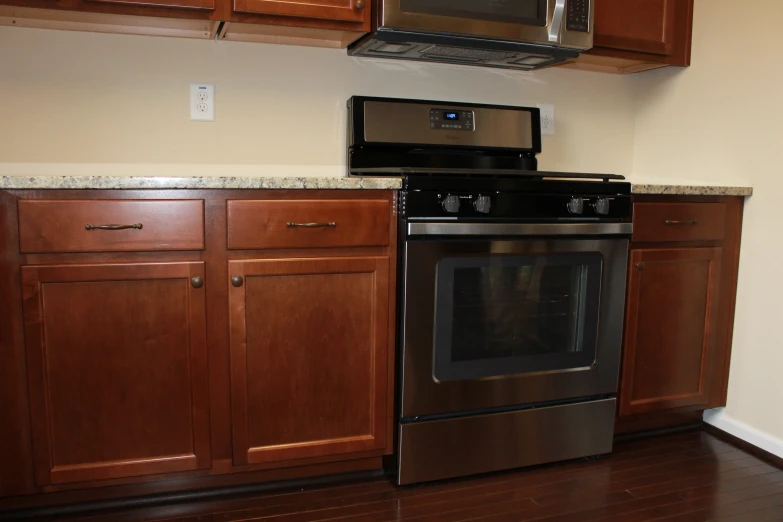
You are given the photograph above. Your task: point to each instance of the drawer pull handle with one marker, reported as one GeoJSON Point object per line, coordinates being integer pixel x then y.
{"type": "Point", "coordinates": [688, 222]}
{"type": "Point", "coordinates": [311, 225]}
{"type": "Point", "coordinates": [137, 226]}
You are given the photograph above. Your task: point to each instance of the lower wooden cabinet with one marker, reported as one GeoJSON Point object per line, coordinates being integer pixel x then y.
{"type": "Point", "coordinates": [117, 370]}
{"type": "Point", "coordinates": [309, 346]}
{"type": "Point", "coordinates": [670, 328]}
{"type": "Point", "coordinates": [133, 366]}
{"type": "Point", "coordinates": [682, 282]}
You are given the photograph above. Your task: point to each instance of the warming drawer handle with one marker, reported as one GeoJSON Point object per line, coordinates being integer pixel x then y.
{"type": "Point", "coordinates": [136, 226]}
{"type": "Point", "coordinates": [687, 222]}
{"type": "Point", "coordinates": [331, 224]}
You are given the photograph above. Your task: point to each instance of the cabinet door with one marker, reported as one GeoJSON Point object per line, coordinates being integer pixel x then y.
{"type": "Point", "coordinates": [308, 357]}
{"type": "Point", "coordinates": [117, 369]}
{"type": "Point", "coordinates": [337, 10]}
{"type": "Point", "coordinates": [670, 329]}
{"type": "Point", "coordinates": [645, 26]}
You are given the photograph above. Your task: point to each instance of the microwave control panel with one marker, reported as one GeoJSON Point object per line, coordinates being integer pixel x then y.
{"type": "Point", "coordinates": [578, 16]}
{"type": "Point", "coordinates": [447, 119]}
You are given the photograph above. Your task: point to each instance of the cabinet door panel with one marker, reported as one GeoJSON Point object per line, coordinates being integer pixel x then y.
{"type": "Point", "coordinates": [117, 370]}
{"type": "Point", "coordinates": [308, 357]}
{"type": "Point", "coordinates": [645, 26]}
{"type": "Point", "coordinates": [339, 10]}
{"type": "Point", "coordinates": [670, 329]}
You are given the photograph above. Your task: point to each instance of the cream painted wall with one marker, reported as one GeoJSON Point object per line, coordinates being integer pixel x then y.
{"type": "Point", "coordinates": [721, 121]}
{"type": "Point", "coordinates": [76, 98]}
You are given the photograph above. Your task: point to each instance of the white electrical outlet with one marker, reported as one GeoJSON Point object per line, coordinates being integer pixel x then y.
{"type": "Point", "coordinates": [202, 102]}
{"type": "Point", "coordinates": [547, 118]}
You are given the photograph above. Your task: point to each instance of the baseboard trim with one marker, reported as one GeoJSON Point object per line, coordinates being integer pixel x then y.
{"type": "Point", "coordinates": [748, 438]}
{"type": "Point", "coordinates": [85, 509]}
{"type": "Point", "coordinates": [669, 430]}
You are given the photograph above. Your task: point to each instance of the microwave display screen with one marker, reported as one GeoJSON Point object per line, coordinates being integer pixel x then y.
{"type": "Point", "coordinates": [453, 116]}
{"type": "Point", "coordinates": [523, 12]}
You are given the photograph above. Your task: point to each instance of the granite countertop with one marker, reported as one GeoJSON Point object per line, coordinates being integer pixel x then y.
{"type": "Point", "coordinates": [205, 182]}
{"type": "Point", "coordinates": [691, 190]}
{"type": "Point", "coordinates": [286, 182]}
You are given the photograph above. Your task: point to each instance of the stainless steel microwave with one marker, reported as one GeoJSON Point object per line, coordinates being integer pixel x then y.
{"type": "Point", "coordinates": [515, 34]}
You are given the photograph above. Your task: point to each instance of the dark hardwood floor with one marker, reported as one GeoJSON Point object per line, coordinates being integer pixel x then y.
{"type": "Point", "coordinates": [686, 477]}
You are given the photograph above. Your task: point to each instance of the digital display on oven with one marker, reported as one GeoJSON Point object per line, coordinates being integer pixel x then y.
{"type": "Point", "coordinates": [452, 116]}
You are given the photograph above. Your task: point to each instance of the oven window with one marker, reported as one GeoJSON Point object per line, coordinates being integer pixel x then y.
{"type": "Point", "coordinates": [524, 12]}
{"type": "Point", "coordinates": [504, 315]}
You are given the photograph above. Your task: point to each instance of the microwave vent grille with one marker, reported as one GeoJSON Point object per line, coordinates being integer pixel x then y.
{"type": "Point", "coordinates": [463, 53]}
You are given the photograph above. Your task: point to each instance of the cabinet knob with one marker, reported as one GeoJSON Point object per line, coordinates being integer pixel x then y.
{"type": "Point", "coordinates": [639, 266]}
{"type": "Point", "coordinates": [359, 4]}
{"type": "Point", "coordinates": [197, 282]}
{"type": "Point", "coordinates": [237, 281]}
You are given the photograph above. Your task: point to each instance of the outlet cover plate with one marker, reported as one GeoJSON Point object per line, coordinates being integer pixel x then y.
{"type": "Point", "coordinates": [202, 102]}
{"type": "Point", "coordinates": [547, 119]}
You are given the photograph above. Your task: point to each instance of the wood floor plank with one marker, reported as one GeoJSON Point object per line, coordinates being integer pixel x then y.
{"type": "Point", "coordinates": [697, 504]}
{"type": "Point", "coordinates": [684, 477]}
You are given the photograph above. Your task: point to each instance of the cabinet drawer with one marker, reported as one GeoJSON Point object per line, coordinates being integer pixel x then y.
{"type": "Point", "coordinates": [307, 223]}
{"type": "Point", "coordinates": [660, 222]}
{"type": "Point", "coordinates": [51, 226]}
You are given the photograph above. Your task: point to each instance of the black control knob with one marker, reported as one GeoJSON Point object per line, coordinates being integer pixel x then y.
{"type": "Point", "coordinates": [576, 205]}
{"type": "Point", "coordinates": [482, 204]}
{"type": "Point", "coordinates": [451, 204]}
{"type": "Point", "coordinates": [601, 206]}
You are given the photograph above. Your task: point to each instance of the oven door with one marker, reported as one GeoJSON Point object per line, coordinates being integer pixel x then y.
{"type": "Point", "coordinates": [522, 315]}
{"type": "Point", "coordinates": [531, 21]}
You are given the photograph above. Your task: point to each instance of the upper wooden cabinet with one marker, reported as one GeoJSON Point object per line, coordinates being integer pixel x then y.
{"type": "Point", "coordinates": [320, 23]}
{"type": "Point", "coordinates": [180, 18]}
{"type": "Point", "coordinates": [309, 351]}
{"type": "Point", "coordinates": [190, 4]}
{"type": "Point", "coordinates": [637, 35]}
{"type": "Point", "coordinates": [117, 369]}
{"type": "Point", "coordinates": [645, 26]}
{"type": "Point", "coordinates": [337, 10]}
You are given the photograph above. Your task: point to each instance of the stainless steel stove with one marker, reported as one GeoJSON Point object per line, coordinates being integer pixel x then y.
{"type": "Point", "coordinates": [512, 288]}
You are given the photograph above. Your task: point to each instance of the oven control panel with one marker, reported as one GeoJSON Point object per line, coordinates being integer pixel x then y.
{"type": "Point", "coordinates": [448, 119]}
{"type": "Point", "coordinates": [491, 205]}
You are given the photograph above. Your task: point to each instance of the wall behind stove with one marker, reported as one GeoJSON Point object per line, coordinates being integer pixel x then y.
{"type": "Point", "coordinates": [80, 101]}
{"type": "Point", "coordinates": [721, 121]}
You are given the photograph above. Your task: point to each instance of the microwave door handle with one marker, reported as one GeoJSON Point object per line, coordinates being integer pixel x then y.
{"type": "Point", "coordinates": [557, 21]}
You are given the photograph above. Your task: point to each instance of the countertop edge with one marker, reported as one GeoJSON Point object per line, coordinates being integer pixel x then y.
{"type": "Point", "coordinates": [293, 183]}
{"type": "Point", "coordinates": [217, 182]}
{"type": "Point", "coordinates": [690, 190]}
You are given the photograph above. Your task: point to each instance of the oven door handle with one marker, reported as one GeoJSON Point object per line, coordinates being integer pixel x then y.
{"type": "Point", "coordinates": [519, 229]}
